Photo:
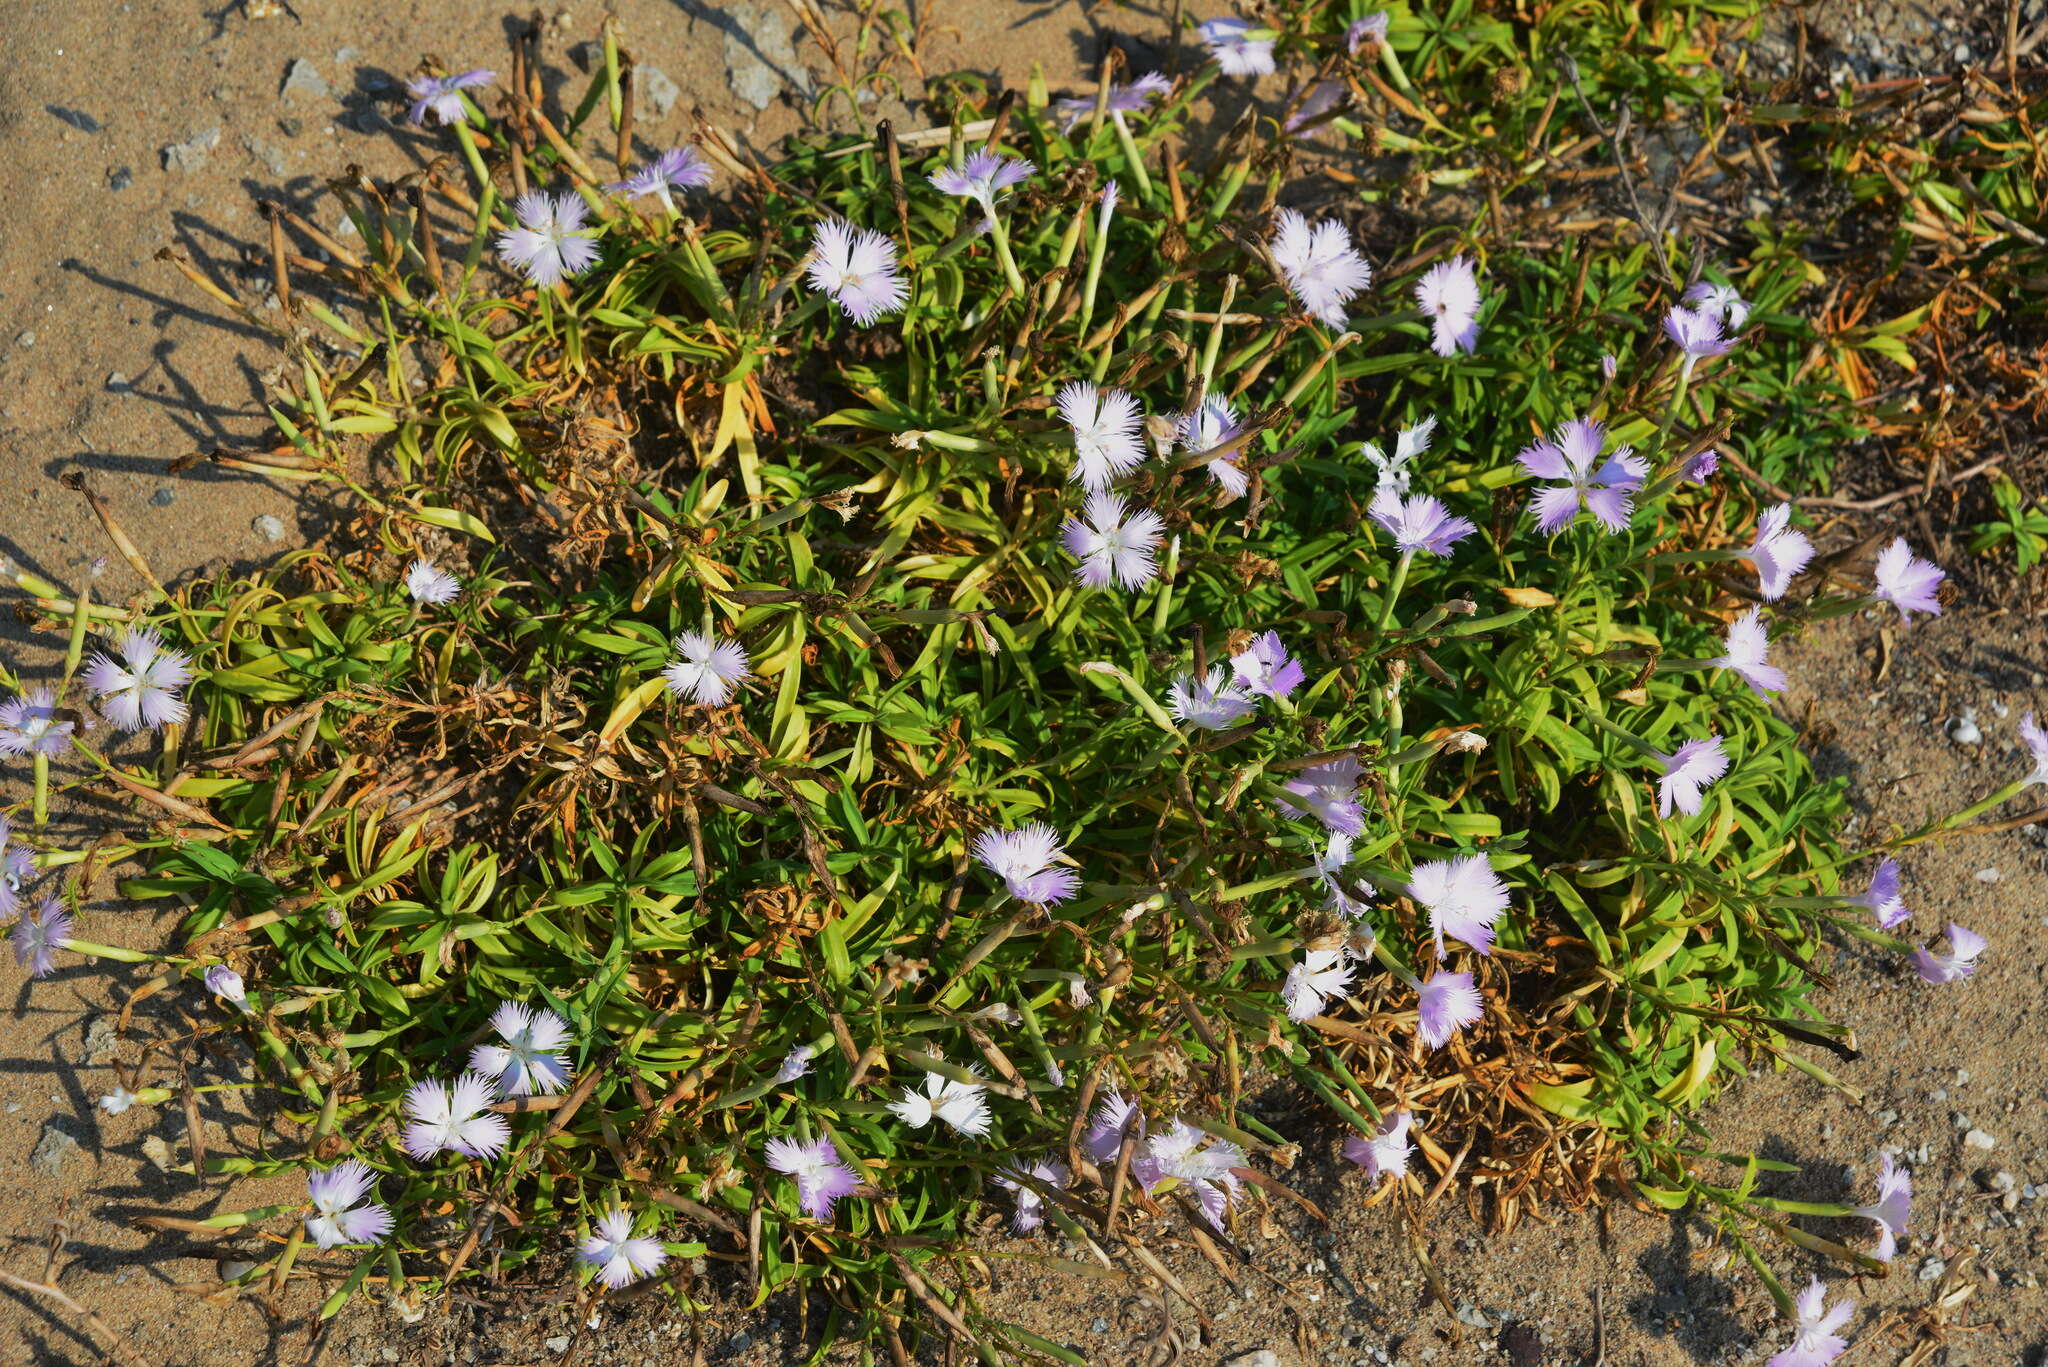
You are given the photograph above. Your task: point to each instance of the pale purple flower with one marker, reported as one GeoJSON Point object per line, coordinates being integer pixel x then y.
{"type": "Point", "coordinates": [456, 1116]}
{"type": "Point", "coordinates": [1748, 643]}
{"type": "Point", "coordinates": [1210, 1171]}
{"type": "Point", "coordinates": [962, 1105]}
{"type": "Point", "coordinates": [29, 725]}
{"type": "Point", "coordinates": [225, 983]}
{"type": "Point", "coordinates": [984, 175]}
{"type": "Point", "coordinates": [550, 244]}
{"type": "Point", "coordinates": [39, 934]}
{"type": "Point", "coordinates": [1320, 266]}
{"type": "Point", "coordinates": [1463, 897]}
{"type": "Point", "coordinates": [1208, 427]}
{"type": "Point", "coordinates": [1610, 365]}
{"type": "Point", "coordinates": [1115, 1116]}
{"type": "Point", "coordinates": [530, 1059]}
{"type": "Point", "coordinates": [17, 871]}
{"type": "Point", "coordinates": [821, 1172]}
{"type": "Point", "coordinates": [1028, 862]}
{"type": "Point", "coordinates": [1106, 425]}
{"type": "Point", "coordinates": [1446, 1004]}
{"type": "Point", "coordinates": [1394, 472]}
{"type": "Point", "coordinates": [1106, 204]}
{"type": "Point", "coordinates": [1708, 297]}
{"type": "Point", "coordinates": [1110, 547]}
{"type": "Point", "coordinates": [1907, 582]}
{"type": "Point", "coordinates": [1960, 962]}
{"type": "Point", "coordinates": [2036, 741]}
{"type": "Point", "coordinates": [1212, 704]}
{"type": "Point", "coordinates": [1329, 792]}
{"type": "Point", "coordinates": [1030, 1212]}
{"type": "Point", "coordinates": [1883, 898]}
{"type": "Point", "coordinates": [1326, 96]}
{"type": "Point", "coordinates": [1230, 43]}
{"type": "Point", "coordinates": [1385, 1153]}
{"type": "Point", "coordinates": [1321, 974]}
{"type": "Point", "coordinates": [1700, 468]}
{"type": "Point", "coordinates": [1781, 551]}
{"type": "Point", "coordinates": [1371, 29]}
{"type": "Point", "coordinates": [1688, 772]}
{"type": "Point", "coordinates": [1601, 487]}
{"type": "Point", "coordinates": [1128, 98]}
{"type": "Point", "coordinates": [142, 689]}
{"type": "Point", "coordinates": [1817, 1343]}
{"type": "Point", "coordinates": [708, 670]}
{"type": "Point", "coordinates": [1419, 523]}
{"type": "Point", "coordinates": [1266, 669]}
{"type": "Point", "coordinates": [1894, 1205]}
{"type": "Point", "coordinates": [1696, 332]}
{"type": "Point", "coordinates": [428, 583]}
{"type": "Point", "coordinates": [440, 95]}
{"type": "Point", "coordinates": [337, 1218]}
{"type": "Point", "coordinates": [857, 268]}
{"type": "Point", "coordinates": [679, 168]}
{"type": "Point", "coordinates": [1448, 295]}
{"type": "Point", "coordinates": [1330, 864]}
{"type": "Point", "coordinates": [795, 1064]}
{"type": "Point", "coordinates": [619, 1256]}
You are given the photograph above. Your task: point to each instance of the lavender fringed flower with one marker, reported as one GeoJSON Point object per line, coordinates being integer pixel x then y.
{"type": "Point", "coordinates": [1817, 1344]}
{"type": "Point", "coordinates": [1394, 472]}
{"type": "Point", "coordinates": [1960, 962]}
{"type": "Point", "coordinates": [442, 95]}
{"type": "Point", "coordinates": [1105, 424]}
{"type": "Point", "coordinates": [1114, 1117]}
{"type": "Point", "coordinates": [1419, 523]}
{"type": "Point", "coordinates": [1708, 297]}
{"type": "Point", "coordinates": [2036, 741]}
{"type": "Point", "coordinates": [1321, 100]}
{"type": "Point", "coordinates": [1748, 643]}
{"type": "Point", "coordinates": [1329, 867]}
{"type": "Point", "coordinates": [982, 177]}
{"type": "Point", "coordinates": [550, 244]}
{"type": "Point", "coordinates": [1235, 51]}
{"type": "Point", "coordinates": [1329, 792]}
{"type": "Point", "coordinates": [1907, 582]}
{"type": "Point", "coordinates": [1027, 860]}
{"type": "Point", "coordinates": [1385, 1152]}
{"type": "Point", "coordinates": [679, 168]}
{"type": "Point", "coordinates": [1111, 547]}
{"type": "Point", "coordinates": [1212, 703]}
{"type": "Point", "coordinates": [428, 583]}
{"type": "Point", "coordinates": [1321, 268]}
{"type": "Point", "coordinates": [1688, 772]}
{"type": "Point", "coordinates": [1211, 425]}
{"type": "Point", "coordinates": [1463, 896]}
{"type": "Point", "coordinates": [1893, 1207]}
{"type": "Point", "coordinates": [1130, 97]}
{"type": "Point", "coordinates": [1030, 1213]}
{"type": "Point", "coordinates": [1371, 29]}
{"type": "Point", "coordinates": [142, 689]}
{"type": "Point", "coordinates": [1700, 468]}
{"type": "Point", "coordinates": [336, 1218]}
{"type": "Point", "coordinates": [856, 268]}
{"type": "Point", "coordinates": [1446, 1004]}
{"type": "Point", "coordinates": [1210, 1172]}
{"type": "Point", "coordinates": [1696, 333]}
{"type": "Point", "coordinates": [1321, 974]}
{"type": "Point", "coordinates": [708, 671]}
{"type": "Point", "coordinates": [1448, 295]}
{"type": "Point", "coordinates": [29, 725]}
{"type": "Point", "coordinates": [821, 1173]}
{"type": "Point", "coordinates": [227, 984]}
{"type": "Point", "coordinates": [39, 934]}
{"type": "Point", "coordinates": [17, 871]}
{"type": "Point", "coordinates": [795, 1064]}
{"type": "Point", "coordinates": [1883, 897]}
{"type": "Point", "coordinates": [530, 1058]}
{"type": "Point", "coordinates": [456, 1116]}
{"type": "Point", "coordinates": [619, 1256]}
{"type": "Point", "coordinates": [1602, 488]}
{"type": "Point", "coordinates": [1265, 668]}
{"type": "Point", "coordinates": [1780, 553]}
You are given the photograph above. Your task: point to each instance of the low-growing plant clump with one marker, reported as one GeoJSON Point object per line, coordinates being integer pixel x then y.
{"type": "Point", "coordinates": [913, 682]}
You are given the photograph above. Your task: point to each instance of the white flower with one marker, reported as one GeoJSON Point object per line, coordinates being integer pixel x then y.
{"type": "Point", "coordinates": [1106, 433]}
{"type": "Point", "coordinates": [550, 243]}
{"type": "Point", "coordinates": [1321, 974]}
{"type": "Point", "coordinates": [619, 1257]}
{"type": "Point", "coordinates": [1214, 704]}
{"type": "Point", "coordinates": [707, 670]}
{"type": "Point", "coordinates": [857, 268]}
{"type": "Point", "coordinates": [1321, 268]}
{"type": "Point", "coordinates": [119, 1100]}
{"type": "Point", "coordinates": [1463, 896]}
{"type": "Point", "coordinates": [1393, 470]}
{"type": "Point", "coordinates": [531, 1058]}
{"type": "Point", "coordinates": [1110, 548]}
{"type": "Point", "coordinates": [962, 1105]}
{"type": "Point", "coordinates": [429, 584]}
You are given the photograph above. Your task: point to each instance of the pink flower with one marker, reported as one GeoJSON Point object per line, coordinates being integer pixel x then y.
{"type": "Point", "coordinates": [29, 725]}
{"type": "Point", "coordinates": [1209, 703]}
{"type": "Point", "coordinates": [1817, 1343]}
{"type": "Point", "coordinates": [39, 934]}
{"type": "Point", "coordinates": [1960, 962]}
{"type": "Point", "coordinates": [1689, 772]}
{"type": "Point", "coordinates": [1710, 298]}
{"type": "Point", "coordinates": [1385, 1153]}
{"type": "Point", "coordinates": [679, 168]}
{"type": "Point", "coordinates": [707, 670]}
{"type": "Point", "coordinates": [982, 177]}
{"type": "Point", "coordinates": [1447, 1003]}
{"type": "Point", "coordinates": [1907, 582]}
{"type": "Point", "coordinates": [1464, 897]}
{"type": "Point", "coordinates": [1105, 425]}
{"type": "Point", "coordinates": [1212, 425]}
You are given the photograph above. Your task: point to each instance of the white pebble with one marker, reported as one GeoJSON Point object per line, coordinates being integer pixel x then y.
{"type": "Point", "coordinates": [1977, 1139]}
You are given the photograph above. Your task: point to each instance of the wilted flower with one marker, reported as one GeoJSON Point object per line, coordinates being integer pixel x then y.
{"type": "Point", "coordinates": [1329, 865]}
{"type": "Point", "coordinates": [1113, 1118]}
{"type": "Point", "coordinates": [1448, 295]}
{"type": "Point", "coordinates": [1600, 487]}
{"type": "Point", "coordinates": [38, 934]}
{"type": "Point", "coordinates": [1883, 897]}
{"type": "Point", "coordinates": [117, 1101]}
{"type": "Point", "coordinates": [1105, 425]}
{"type": "Point", "coordinates": [821, 1173]}
{"type": "Point", "coordinates": [1320, 266]}
{"type": "Point", "coordinates": [982, 177]}
{"type": "Point", "coordinates": [531, 1059]}
{"type": "Point", "coordinates": [1689, 772]}
{"type": "Point", "coordinates": [1212, 704]}
{"type": "Point", "coordinates": [550, 243]}
{"type": "Point", "coordinates": [679, 168]}
{"type": "Point", "coordinates": [428, 583]}
{"type": "Point", "coordinates": [1264, 667]}
{"type": "Point", "coordinates": [1030, 1204]}
{"type": "Point", "coordinates": [708, 670]}
{"type": "Point", "coordinates": [336, 1218]}
{"type": "Point", "coordinates": [1230, 43]}
{"type": "Point", "coordinates": [1818, 1344]}
{"type": "Point", "coordinates": [1696, 332]}
{"type": "Point", "coordinates": [1210, 1172]}
{"type": "Point", "coordinates": [1960, 962]}
{"type": "Point", "coordinates": [1907, 582]}
{"type": "Point", "coordinates": [1211, 425]}
{"type": "Point", "coordinates": [795, 1064]}
{"type": "Point", "coordinates": [962, 1105]}
{"type": "Point", "coordinates": [1446, 1004]}
{"type": "Point", "coordinates": [1894, 1204]}
{"type": "Point", "coordinates": [1394, 473]}
{"type": "Point", "coordinates": [17, 871]}
{"type": "Point", "coordinates": [1748, 643]}
{"type": "Point", "coordinates": [454, 1116]}
{"type": "Point", "coordinates": [2036, 741]}
{"type": "Point", "coordinates": [619, 1256]}
{"type": "Point", "coordinates": [1419, 523]}
{"type": "Point", "coordinates": [1111, 548]}
{"type": "Point", "coordinates": [1463, 897]}
{"type": "Point", "coordinates": [1321, 974]}
{"type": "Point", "coordinates": [857, 268]}
{"type": "Point", "coordinates": [227, 984]}
{"type": "Point", "coordinates": [1385, 1153]}
{"type": "Point", "coordinates": [1324, 97]}
{"type": "Point", "coordinates": [439, 94]}
{"type": "Point", "coordinates": [1371, 29]}
{"type": "Point", "coordinates": [1026, 861]}
{"type": "Point", "coordinates": [1781, 551]}
{"type": "Point", "coordinates": [29, 725]}
{"type": "Point", "coordinates": [1709, 297]}
{"type": "Point", "coordinates": [142, 690]}
{"type": "Point", "coordinates": [1128, 98]}
{"type": "Point", "coordinates": [1700, 468]}
{"type": "Point", "coordinates": [1329, 792]}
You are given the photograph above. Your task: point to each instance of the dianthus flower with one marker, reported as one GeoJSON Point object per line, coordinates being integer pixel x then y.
{"type": "Point", "coordinates": [1111, 547]}
{"type": "Point", "coordinates": [1105, 425]}
{"type": "Point", "coordinates": [441, 95]}
{"type": "Point", "coordinates": [1463, 896]}
{"type": "Point", "coordinates": [1030, 1213]}
{"type": "Point", "coordinates": [1601, 487]}
{"type": "Point", "coordinates": [1394, 472]}
{"type": "Point", "coordinates": [142, 689]}
{"type": "Point", "coordinates": [1419, 523]}
{"type": "Point", "coordinates": [1209, 426]}
{"type": "Point", "coordinates": [39, 934]}
{"type": "Point", "coordinates": [1329, 792]}
{"type": "Point", "coordinates": [1320, 266]}
{"type": "Point", "coordinates": [530, 1058]}
{"type": "Point", "coordinates": [1385, 1153]}
{"type": "Point", "coordinates": [1748, 644]}
{"type": "Point", "coordinates": [679, 168]}
{"type": "Point", "coordinates": [821, 1173]}
{"type": "Point", "coordinates": [1960, 962]}
{"type": "Point", "coordinates": [1817, 1343]}
{"type": "Point", "coordinates": [29, 725]}
{"type": "Point", "coordinates": [1130, 97]}
{"type": "Point", "coordinates": [1688, 772]}
{"type": "Point", "coordinates": [1027, 860]}
{"type": "Point", "coordinates": [1893, 1206]}
{"type": "Point", "coordinates": [550, 244]}
{"type": "Point", "coordinates": [428, 583]}
{"type": "Point", "coordinates": [982, 177]}
{"type": "Point", "coordinates": [1708, 297]}
{"type": "Point", "coordinates": [1446, 1004]}
{"type": "Point", "coordinates": [708, 671]}
{"type": "Point", "coordinates": [1781, 551]}
{"type": "Point", "coordinates": [962, 1105]}
{"type": "Point", "coordinates": [454, 1116]}
{"type": "Point", "coordinates": [1907, 582]}
{"type": "Point", "coordinates": [1212, 703]}
{"type": "Point", "coordinates": [336, 1218]}
{"type": "Point", "coordinates": [1235, 51]}
{"type": "Point", "coordinates": [1448, 295]}
{"type": "Point", "coordinates": [1321, 974]}
{"type": "Point", "coordinates": [1883, 898]}
{"type": "Point", "coordinates": [618, 1255]}
{"type": "Point", "coordinates": [1265, 668]}
{"type": "Point", "coordinates": [856, 268]}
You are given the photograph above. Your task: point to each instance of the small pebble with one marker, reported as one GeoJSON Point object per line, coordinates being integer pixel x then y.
{"type": "Point", "coordinates": [162, 498]}
{"type": "Point", "coordinates": [1931, 1269]}
{"type": "Point", "coordinates": [1988, 875]}
{"type": "Point", "coordinates": [120, 178]}
{"type": "Point", "coordinates": [1963, 730]}
{"type": "Point", "coordinates": [268, 527]}
{"type": "Point", "coordinates": [1977, 1139]}
{"type": "Point", "coordinates": [1101, 1326]}
{"type": "Point", "coordinates": [1262, 1357]}
{"type": "Point", "coordinates": [558, 1344]}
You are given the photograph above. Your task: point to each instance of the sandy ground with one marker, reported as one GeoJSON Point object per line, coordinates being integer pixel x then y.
{"type": "Point", "coordinates": [110, 364]}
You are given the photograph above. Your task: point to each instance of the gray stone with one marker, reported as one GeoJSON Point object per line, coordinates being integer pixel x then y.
{"type": "Point", "coordinates": [759, 59]}
{"type": "Point", "coordinates": [101, 1044]}
{"type": "Point", "coordinates": [120, 178]}
{"type": "Point", "coordinates": [655, 87]}
{"type": "Point", "coordinates": [300, 78]}
{"type": "Point", "coordinates": [268, 527]}
{"type": "Point", "coordinates": [117, 383]}
{"type": "Point", "coordinates": [270, 155]}
{"type": "Point", "coordinates": [53, 1151]}
{"type": "Point", "coordinates": [162, 498]}
{"type": "Point", "coordinates": [1101, 1326]}
{"type": "Point", "coordinates": [1261, 1357]}
{"type": "Point", "coordinates": [558, 1344]}
{"type": "Point", "coordinates": [191, 154]}
{"type": "Point", "coordinates": [1931, 1269]}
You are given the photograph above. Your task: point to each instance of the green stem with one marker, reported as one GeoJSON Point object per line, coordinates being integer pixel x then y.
{"type": "Point", "coordinates": [1001, 237]}
{"type": "Point", "coordinates": [1135, 162]}
{"type": "Point", "coordinates": [1393, 592]}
